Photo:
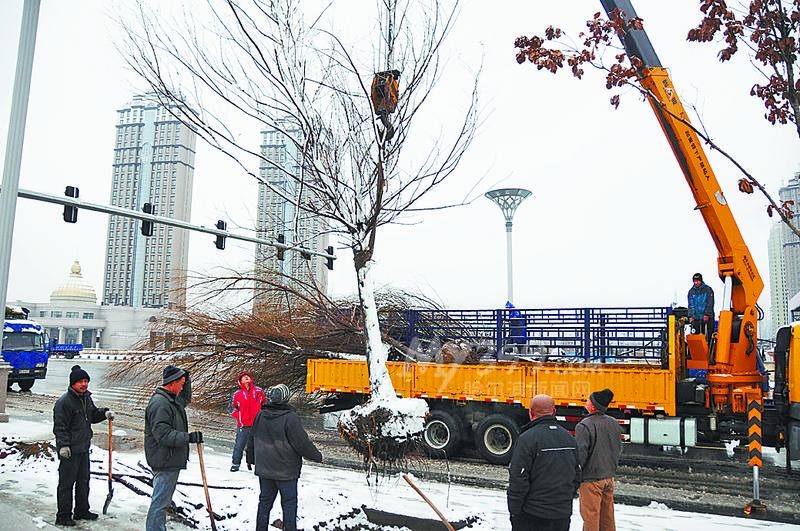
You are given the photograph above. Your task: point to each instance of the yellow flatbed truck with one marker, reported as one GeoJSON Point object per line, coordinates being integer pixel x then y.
{"type": "Point", "coordinates": [486, 403]}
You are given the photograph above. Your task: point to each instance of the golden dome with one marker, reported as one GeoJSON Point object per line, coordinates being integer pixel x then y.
{"type": "Point", "coordinates": [75, 289]}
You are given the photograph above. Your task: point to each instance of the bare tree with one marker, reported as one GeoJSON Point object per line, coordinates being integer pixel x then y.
{"type": "Point", "coordinates": [264, 64]}
{"type": "Point", "coordinates": [554, 51]}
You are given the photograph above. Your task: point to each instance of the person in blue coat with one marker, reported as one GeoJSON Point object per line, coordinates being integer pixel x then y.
{"type": "Point", "coordinates": [701, 307]}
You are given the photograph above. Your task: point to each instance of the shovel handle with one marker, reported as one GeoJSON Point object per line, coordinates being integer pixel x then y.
{"type": "Point", "coordinates": [413, 485]}
{"type": "Point", "coordinates": [205, 486]}
{"type": "Point", "coordinates": [110, 446]}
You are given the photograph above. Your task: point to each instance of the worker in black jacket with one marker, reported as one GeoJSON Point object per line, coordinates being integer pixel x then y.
{"type": "Point", "coordinates": [166, 441]}
{"type": "Point", "coordinates": [279, 443]}
{"type": "Point", "coordinates": [544, 475]}
{"type": "Point", "coordinates": [73, 416]}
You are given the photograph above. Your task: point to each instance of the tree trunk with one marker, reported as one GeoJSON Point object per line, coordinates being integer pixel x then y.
{"type": "Point", "coordinates": [380, 384]}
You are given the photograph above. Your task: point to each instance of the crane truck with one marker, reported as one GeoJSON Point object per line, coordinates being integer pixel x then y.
{"type": "Point", "coordinates": [698, 393]}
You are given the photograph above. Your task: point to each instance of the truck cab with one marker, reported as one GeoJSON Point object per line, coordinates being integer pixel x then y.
{"type": "Point", "coordinates": [25, 349]}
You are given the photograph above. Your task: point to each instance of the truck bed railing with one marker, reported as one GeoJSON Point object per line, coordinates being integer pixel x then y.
{"type": "Point", "coordinates": [555, 334]}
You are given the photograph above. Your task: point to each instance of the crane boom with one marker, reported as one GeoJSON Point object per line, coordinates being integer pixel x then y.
{"type": "Point", "coordinates": [732, 363]}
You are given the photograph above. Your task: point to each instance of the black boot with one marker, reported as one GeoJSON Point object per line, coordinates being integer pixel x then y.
{"type": "Point", "coordinates": [65, 522]}
{"type": "Point", "coordinates": [88, 515]}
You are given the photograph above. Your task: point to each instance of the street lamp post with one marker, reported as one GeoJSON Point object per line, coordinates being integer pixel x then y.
{"type": "Point", "coordinates": [508, 199]}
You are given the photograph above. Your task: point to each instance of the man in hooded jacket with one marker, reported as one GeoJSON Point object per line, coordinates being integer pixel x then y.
{"type": "Point", "coordinates": [279, 444]}
{"type": "Point", "coordinates": [245, 405]}
{"type": "Point", "coordinates": [73, 416]}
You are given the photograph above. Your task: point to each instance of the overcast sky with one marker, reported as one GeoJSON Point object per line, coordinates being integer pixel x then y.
{"type": "Point", "coordinates": [611, 221]}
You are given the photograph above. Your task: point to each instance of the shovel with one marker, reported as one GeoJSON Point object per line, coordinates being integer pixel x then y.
{"type": "Point", "coordinates": [110, 451]}
{"type": "Point", "coordinates": [205, 486]}
{"type": "Point", "coordinates": [447, 524]}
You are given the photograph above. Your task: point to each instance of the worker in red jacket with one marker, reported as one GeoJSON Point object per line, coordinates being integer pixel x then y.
{"type": "Point", "coordinates": [245, 405]}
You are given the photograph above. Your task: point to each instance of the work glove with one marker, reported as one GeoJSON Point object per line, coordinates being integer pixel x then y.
{"type": "Point", "coordinates": [196, 437]}
{"type": "Point", "coordinates": [64, 452]}
{"type": "Point", "coordinates": [109, 414]}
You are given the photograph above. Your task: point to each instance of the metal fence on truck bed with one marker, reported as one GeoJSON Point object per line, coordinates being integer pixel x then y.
{"type": "Point", "coordinates": [550, 334]}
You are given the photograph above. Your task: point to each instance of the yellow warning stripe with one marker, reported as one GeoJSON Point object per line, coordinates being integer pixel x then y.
{"type": "Point", "coordinates": [754, 432]}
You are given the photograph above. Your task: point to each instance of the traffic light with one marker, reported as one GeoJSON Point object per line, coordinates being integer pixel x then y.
{"type": "Point", "coordinates": [147, 226]}
{"type": "Point", "coordinates": [220, 243]}
{"type": "Point", "coordinates": [281, 250]}
{"type": "Point", "coordinates": [71, 212]}
{"type": "Point", "coordinates": [329, 259]}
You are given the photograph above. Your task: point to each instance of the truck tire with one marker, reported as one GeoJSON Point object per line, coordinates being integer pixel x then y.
{"type": "Point", "coordinates": [25, 385]}
{"type": "Point", "coordinates": [443, 434]}
{"type": "Point", "coordinates": [495, 438]}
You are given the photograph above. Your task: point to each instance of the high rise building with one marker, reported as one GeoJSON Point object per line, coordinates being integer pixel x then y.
{"type": "Point", "coordinates": [779, 297]}
{"type": "Point", "coordinates": [278, 214]}
{"type": "Point", "coordinates": [153, 163]}
{"type": "Point", "coordinates": [791, 243]}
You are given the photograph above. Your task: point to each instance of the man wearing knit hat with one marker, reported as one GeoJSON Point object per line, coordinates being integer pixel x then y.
{"type": "Point", "coordinates": [245, 405]}
{"type": "Point", "coordinates": [279, 444]}
{"type": "Point", "coordinates": [599, 446]}
{"type": "Point", "coordinates": [73, 416]}
{"type": "Point", "coordinates": [701, 307]}
{"type": "Point", "coordinates": [166, 441]}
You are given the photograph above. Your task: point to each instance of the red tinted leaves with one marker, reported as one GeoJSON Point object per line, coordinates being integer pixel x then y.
{"type": "Point", "coordinates": [745, 186]}
{"type": "Point", "coordinates": [785, 210]}
{"type": "Point", "coordinates": [769, 31]}
{"type": "Point", "coordinates": [547, 53]}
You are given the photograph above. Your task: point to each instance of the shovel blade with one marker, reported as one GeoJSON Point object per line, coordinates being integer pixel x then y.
{"type": "Point", "coordinates": [108, 499]}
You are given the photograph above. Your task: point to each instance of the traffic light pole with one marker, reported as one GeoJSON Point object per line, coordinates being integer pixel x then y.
{"type": "Point", "coordinates": [13, 161]}
{"type": "Point", "coordinates": [135, 214]}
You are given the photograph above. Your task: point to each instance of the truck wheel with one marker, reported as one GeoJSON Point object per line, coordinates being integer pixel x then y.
{"type": "Point", "coordinates": [442, 434]}
{"type": "Point", "coordinates": [495, 438]}
{"type": "Point", "coordinates": [25, 385]}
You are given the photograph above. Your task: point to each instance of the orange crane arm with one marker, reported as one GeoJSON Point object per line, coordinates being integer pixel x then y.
{"type": "Point", "coordinates": [732, 365]}
{"type": "Point", "coordinates": [734, 258]}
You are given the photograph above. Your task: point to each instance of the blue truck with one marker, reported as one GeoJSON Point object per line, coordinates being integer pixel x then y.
{"type": "Point", "coordinates": [24, 348]}
{"type": "Point", "coordinates": [68, 350]}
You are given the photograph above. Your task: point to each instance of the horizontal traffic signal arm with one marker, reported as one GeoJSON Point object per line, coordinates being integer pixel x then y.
{"type": "Point", "coordinates": [135, 214]}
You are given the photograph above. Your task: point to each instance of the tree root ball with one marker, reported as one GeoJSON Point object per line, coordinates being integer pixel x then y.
{"type": "Point", "coordinates": [384, 431]}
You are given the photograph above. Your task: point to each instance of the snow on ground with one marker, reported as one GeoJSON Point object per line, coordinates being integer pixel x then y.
{"type": "Point", "coordinates": [325, 494]}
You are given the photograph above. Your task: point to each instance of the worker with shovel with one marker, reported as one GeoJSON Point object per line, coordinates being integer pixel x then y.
{"type": "Point", "coordinates": [166, 441]}
{"type": "Point", "coordinates": [73, 416]}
